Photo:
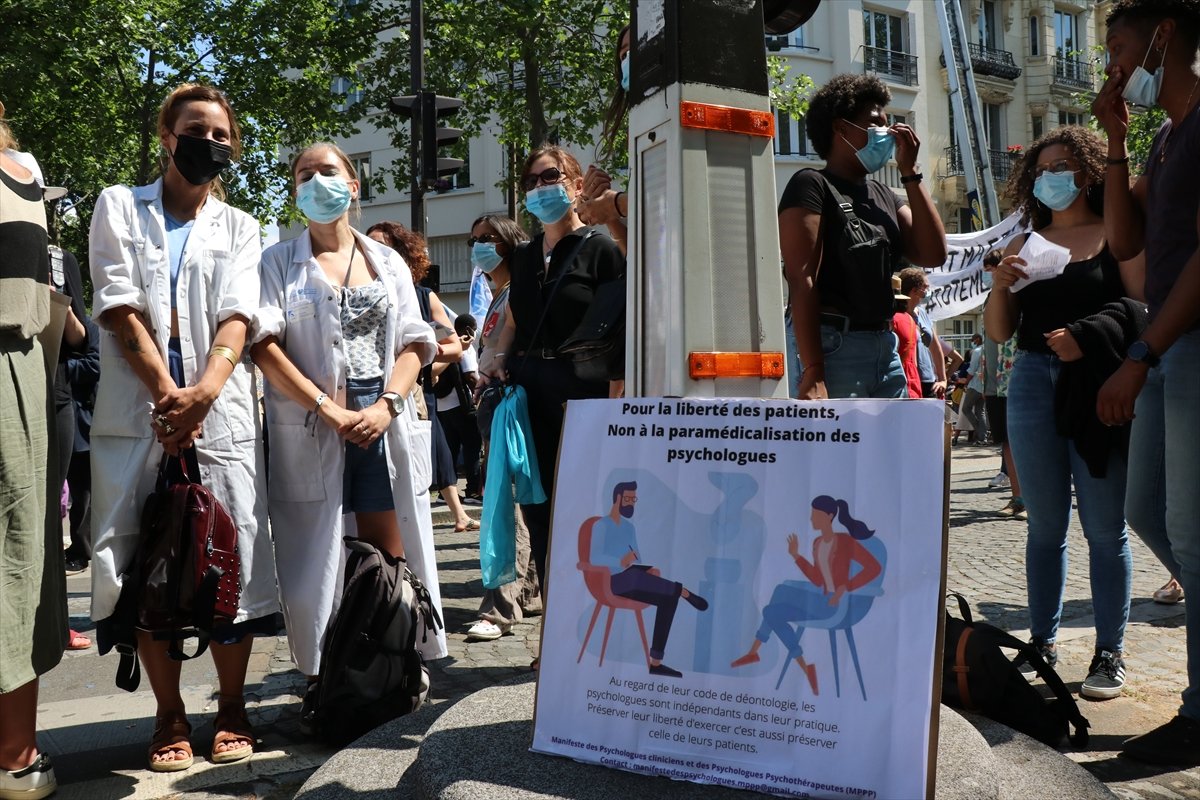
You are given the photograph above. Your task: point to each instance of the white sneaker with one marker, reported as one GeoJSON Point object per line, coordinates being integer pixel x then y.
{"type": "Point", "coordinates": [31, 783]}
{"type": "Point", "coordinates": [486, 631]}
{"type": "Point", "coordinates": [1001, 481]}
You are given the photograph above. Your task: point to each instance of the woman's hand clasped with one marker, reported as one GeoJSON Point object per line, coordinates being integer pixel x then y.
{"type": "Point", "coordinates": [373, 422]}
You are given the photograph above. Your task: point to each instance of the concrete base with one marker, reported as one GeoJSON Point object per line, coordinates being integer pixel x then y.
{"type": "Point", "coordinates": [459, 746]}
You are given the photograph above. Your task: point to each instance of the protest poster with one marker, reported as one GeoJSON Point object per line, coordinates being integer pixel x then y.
{"type": "Point", "coordinates": [746, 593]}
{"type": "Point", "coordinates": [959, 285]}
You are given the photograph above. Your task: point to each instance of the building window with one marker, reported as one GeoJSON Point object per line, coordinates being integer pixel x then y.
{"type": "Point", "coordinates": [993, 122]}
{"type": "Point", "coordinates": [886, 51]}
{"type": "Point", "coordinates": [346, 93]}
{"type": "Point", "coordinates": [1039, 127]}
{"type": "Point", "coordinates": [791, 138]}
{"type": "Point", "coordinates": [1070, 118]}
{"type": "Point", "coordinates": [964, 328]}
{"type": "Point", "coordinates": [1035, 36]}
{"type": "Point", "coordinates": [362, 165]}
{"type": "Point", "coordinates": [885, 31]}
{"type": "Point", "coordinates": [989, 29]}
{"type": "Point", "coordinates": [897, 119]}
{"type": "Point", "coordinates": [1066, 34]}
{"type": "Point", "coordinates": [795, 39]}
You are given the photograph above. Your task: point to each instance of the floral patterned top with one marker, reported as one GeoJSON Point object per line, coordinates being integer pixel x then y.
{"type": "Point", "coordinates": [1008, 356]}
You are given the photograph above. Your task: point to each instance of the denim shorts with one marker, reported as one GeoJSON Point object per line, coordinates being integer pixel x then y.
{"type": "Point", "coordinates": [365, 483]}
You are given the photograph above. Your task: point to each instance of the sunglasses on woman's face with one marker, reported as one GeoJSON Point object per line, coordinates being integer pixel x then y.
{"type": "Point", "coordinates": [546, 177]}
{"type": "Point", "coordinates": [487, 237]}
{"type": "Point", "coordinates": [1057, 167]}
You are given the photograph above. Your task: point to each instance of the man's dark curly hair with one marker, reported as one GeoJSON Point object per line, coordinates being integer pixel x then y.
{"type": "Point", "coordinates": [1146, 14]}
{"type": "Point", "coordinates": [1087, 148]}
{"type": "Point", "coordinates": [844, 97]}
{"type": "Point", "coordinates": [409, 244]}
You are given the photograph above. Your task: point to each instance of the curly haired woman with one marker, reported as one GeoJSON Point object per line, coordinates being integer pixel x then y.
{"type": "Point", "coordinates": [1059, 184]}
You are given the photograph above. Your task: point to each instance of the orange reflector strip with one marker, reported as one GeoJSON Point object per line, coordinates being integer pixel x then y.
{"type": "Point", "coordinates": [727, 118]}
{"type": "Point", "coordinates": [735, 365]}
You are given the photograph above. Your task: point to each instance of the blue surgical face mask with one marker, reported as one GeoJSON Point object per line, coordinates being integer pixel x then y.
{"type": "Point", "coordinates": [625, 72]}
{"type": "Point", "coordinates": [1056, 190]}
{"type": "Point", "coordinates": [323, 198]}
{"type": "Point", "coordinates": [878, 150]}
{"type": "Point", "coordinates": [484, 256]}
{"type": "Point", "coordinates": [1142, 88]}
{"type": "Point", "coordinates": [548, 203]}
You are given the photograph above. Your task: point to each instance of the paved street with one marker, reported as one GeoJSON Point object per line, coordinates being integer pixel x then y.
{"type": "Point", "coordinates": [98, 734]}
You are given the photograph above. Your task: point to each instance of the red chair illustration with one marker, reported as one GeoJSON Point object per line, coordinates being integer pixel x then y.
{"type": "Point", "coordinates": [598, 581]}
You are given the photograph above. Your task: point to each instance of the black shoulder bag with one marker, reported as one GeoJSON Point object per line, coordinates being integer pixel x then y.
{"type": "Point", "coordinates": [865, 256]}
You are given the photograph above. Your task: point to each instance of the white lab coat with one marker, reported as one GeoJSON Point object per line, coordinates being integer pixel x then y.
{"type": "Point", "coordinates": [218, 278]}
{"type": "Point", "coordinates": [300, 307]}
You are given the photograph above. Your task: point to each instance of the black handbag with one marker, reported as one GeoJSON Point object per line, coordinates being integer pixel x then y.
{"type": "Point", "coordinates": [597, 346]}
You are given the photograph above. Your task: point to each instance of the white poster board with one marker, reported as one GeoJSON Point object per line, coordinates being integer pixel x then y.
{"type": "Point", "coordinates": [720, 487]}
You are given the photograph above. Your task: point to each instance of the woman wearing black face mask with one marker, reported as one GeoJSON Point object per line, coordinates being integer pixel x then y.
{"type": "Point", "coordinates": [175, 272]}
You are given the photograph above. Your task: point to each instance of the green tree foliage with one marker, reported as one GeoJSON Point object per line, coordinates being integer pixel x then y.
{"type": "Point", "coordinates": [788, 96]}
{"type": "Point", "coordinates": [83, 80]}
{"type": "Point", "coordinates": [539, 70]}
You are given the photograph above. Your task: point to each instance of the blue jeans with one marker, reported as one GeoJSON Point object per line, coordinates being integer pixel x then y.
{"type": "Point", "coordinates": [862, 364]}
{"type": "Point", "coordinates": [793, 601]}
{"type": "Point", "coordinates": [1163, 496]}
{"type": "Point", "coordinates": [1047, 464]}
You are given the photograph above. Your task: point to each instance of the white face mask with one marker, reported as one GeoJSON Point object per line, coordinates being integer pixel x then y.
{"type": "Point", "coordinates": [1142, 88]}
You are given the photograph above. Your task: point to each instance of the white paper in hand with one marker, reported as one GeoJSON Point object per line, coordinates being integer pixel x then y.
{"type": "Point", "coordinates": [1043, 259]}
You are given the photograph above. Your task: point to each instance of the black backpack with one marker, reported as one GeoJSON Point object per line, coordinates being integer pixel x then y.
{"type": "Point", "coordinates": [977, 676]}
{"type": "Point", "coordinates": [371, 671]}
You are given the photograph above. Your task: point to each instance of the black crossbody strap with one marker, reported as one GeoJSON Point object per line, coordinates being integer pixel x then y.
{"type": "Point", "coordinates": [566, 268]}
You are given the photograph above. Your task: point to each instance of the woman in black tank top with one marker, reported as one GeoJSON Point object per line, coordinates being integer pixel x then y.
{"type": "Point", "coordinates": [1059, 186]}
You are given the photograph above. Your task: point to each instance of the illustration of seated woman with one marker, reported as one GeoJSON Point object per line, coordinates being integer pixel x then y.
{"type": "Point", "coordinates": [828, 582]}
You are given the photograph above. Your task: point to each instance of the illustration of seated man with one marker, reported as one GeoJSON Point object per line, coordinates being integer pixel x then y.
{"type": "Point", "coordinates": [828, 582]}
{"type": "Point", "coordinates": [614, 545]}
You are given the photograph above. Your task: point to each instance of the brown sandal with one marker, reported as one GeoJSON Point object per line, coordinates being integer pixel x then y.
{"type": "Point", "coordinates": [232, 726]}
{"type": "Point", "coordinates": [171, 732]}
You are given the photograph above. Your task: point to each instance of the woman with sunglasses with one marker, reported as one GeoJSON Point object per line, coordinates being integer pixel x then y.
{"type": "Point", "coordinates": [340, 340]}
{"type": "Point", "coordinates": [493, 241]}
{"type": "Point", "coordinates": [1059, 185]}
{"type": "Point", "coordinates": [554, 278]}
{"type": "Point", "coordinates": [175, 272]}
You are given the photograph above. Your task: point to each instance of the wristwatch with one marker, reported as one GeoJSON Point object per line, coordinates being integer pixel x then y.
{"type": "Point", "coordinates": [395, 403]}
{"type": "Point", "coordinates": [1140, 351]}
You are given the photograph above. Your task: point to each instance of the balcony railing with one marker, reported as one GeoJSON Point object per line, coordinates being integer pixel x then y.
{"type": "Point", "coordinates": [891, 64]}
{"type": "Point", "coordinates": [1072, 72]}
{"type": "Point", "coordinates": [790, 42]}
{"type": "Point", "coordinates": [1001, 162]}
{"type": "Point", "coordinates": [990, 61]}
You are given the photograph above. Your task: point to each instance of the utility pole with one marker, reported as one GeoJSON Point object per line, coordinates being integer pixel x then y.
{"type": "Point", "coordinates": [416, 41]}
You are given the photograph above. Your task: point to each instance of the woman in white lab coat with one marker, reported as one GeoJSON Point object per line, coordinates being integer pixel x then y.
{"type": "Point", "coordinates": [175, 272]}
{"type": "Point", "coordinates": [341, 341]}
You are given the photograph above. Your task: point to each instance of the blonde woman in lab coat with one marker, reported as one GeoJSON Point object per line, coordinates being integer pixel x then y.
{"type": "Point", "coordinates": [341, 341]}
{"type": "Point", "coordinates": [175, 272]}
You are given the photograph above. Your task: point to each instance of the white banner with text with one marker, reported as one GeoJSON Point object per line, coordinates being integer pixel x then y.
{"type": "Point", "coordinates": [745, 593]}
{"type": "Point", "coordinates": [959, 285]}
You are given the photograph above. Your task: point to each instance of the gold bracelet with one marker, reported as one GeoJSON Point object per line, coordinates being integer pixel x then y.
{"type": "Point", "coordinates": [227, 352]}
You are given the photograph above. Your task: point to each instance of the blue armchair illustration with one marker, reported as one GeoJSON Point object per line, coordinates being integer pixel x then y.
{"type": "Point", "coordinates": [848, 613]}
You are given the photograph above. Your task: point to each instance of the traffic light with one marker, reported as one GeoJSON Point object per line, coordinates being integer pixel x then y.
{"type": "Point", "coordinates": [425, 109]}
{"type": "Point", "coordinates": [433, 137]}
